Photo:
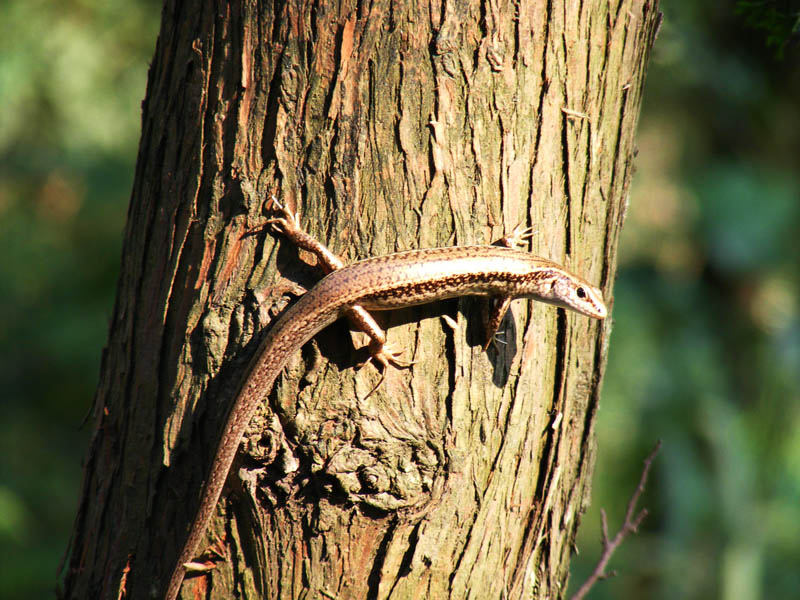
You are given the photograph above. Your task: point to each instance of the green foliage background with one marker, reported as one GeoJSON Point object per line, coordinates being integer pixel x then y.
{"type": "Point", "coordinates": [72, 77]}
{"type": "Point", "coordinates": [705, 351]}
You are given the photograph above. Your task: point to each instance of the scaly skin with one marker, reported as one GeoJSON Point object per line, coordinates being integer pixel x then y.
{"type": "Point", "coordinates": [381, 283]}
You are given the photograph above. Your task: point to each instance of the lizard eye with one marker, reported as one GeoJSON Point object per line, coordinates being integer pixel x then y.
{"type": "Point", "coordinates": [581, 293]}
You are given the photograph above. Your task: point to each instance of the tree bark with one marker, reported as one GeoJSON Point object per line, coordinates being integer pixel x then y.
{"type": "Point", "coordinates": [391, 126]}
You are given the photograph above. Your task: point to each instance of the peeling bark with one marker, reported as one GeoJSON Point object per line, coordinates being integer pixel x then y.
{"type": "Point", "coordinates": [391, 126]}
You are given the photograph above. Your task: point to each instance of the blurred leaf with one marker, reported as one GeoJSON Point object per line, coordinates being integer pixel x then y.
{"type": "Point", "coordinates": [14, 517]}
{"type": "Point", "coordinates": [778, 19]}
{"type": "Point", "coordinates": [72, 76]}
{"type": "Point", "coordinates": [749, 218]}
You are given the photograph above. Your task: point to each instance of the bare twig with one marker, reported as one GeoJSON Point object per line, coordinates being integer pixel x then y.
{"type": "Point", "coordinates": [630, 525]}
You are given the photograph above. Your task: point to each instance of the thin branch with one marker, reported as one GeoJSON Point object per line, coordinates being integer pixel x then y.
{"type": "Point", "coordinates": [630, 525]}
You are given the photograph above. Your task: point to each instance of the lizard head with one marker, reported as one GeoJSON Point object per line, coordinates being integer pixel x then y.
{"type": "Point", "coordinates": [569, 291]}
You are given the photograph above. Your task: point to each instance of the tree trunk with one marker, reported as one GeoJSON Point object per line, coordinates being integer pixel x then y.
{"type": "Point", "coordinates": [391, 126]}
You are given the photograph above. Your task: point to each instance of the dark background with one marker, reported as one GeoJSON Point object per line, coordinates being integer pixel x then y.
{"type": "Point", "coordinates": [705, 350]}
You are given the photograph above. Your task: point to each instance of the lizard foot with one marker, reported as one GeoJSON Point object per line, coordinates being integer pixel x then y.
{"type": "Point", "coordinates": [517, 237]}
{"type": "Point", "coordinates": [386, 356]}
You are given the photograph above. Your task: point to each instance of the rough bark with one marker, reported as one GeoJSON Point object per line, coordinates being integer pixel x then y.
{"type": "Point", "coordinates": [391, 125]}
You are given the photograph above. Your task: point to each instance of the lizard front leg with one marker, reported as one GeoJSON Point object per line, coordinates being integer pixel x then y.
{"type": "Point", "coordinates": [493, 317]}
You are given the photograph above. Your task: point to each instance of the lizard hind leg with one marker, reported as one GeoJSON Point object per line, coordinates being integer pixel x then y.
{"type": "Point", "coordinates": [288, 223]}
{"type": "Point", "coordinates": [386, 356]}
